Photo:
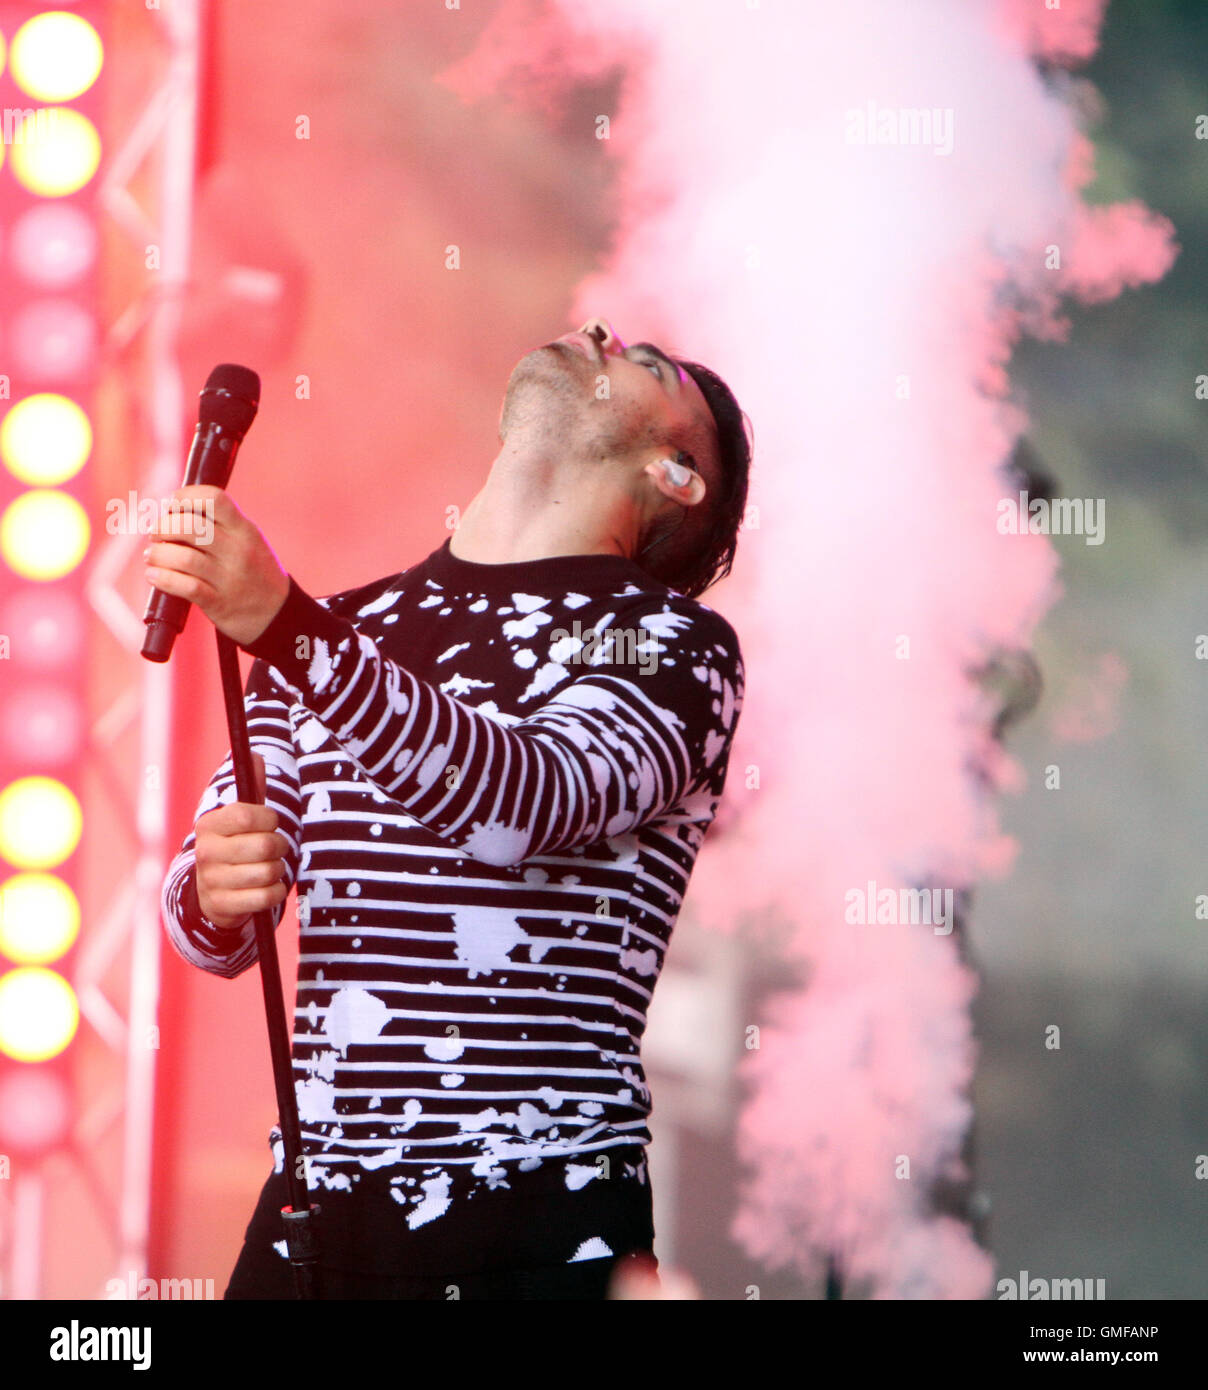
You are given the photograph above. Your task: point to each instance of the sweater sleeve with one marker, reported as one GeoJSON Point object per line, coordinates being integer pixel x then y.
{"type": "Point", "coordinates": [229, 952]}
{"type": "Point", "coordinates": [619, 746]}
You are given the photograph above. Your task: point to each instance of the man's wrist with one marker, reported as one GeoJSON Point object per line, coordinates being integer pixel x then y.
{"type": "Point", "coordinates": [209, 922]}
{"type": "Point", "coordinates": [301, 629]}
{"type": "Point", "coordinates": [191, 909]}
{"type": "Point", "coordinates": [277, 605]}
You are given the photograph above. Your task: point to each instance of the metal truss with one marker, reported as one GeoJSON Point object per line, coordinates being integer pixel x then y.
{"type": "Point", "coordinates": [117, 962]}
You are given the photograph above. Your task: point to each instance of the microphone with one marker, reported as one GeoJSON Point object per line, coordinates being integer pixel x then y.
{"type": "Point", "coordinates": [229, 401]}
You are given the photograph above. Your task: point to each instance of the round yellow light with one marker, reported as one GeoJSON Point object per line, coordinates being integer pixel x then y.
{"type": "Point", "coordinates": [39, 918]}
{"type": "Point", "coordinates": [39, 1014]}
{"type": "Point", "coordinates": [44, 534]}
{"type": "Point", "coordinates": [45, 439]}
{"type": "Point", "coordinates": [55, 56]}
{"type": "Point", "coordinates": [40, 823]}
{"type": "Point", "coordinates": [55, 152]}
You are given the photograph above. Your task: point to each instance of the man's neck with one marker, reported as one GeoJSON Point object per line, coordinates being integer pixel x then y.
{"type": "Point", "coordinates": [526, 511]}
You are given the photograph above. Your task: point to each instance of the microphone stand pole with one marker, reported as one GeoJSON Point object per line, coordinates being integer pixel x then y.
{"type": "Point", "coordinates": [301, 1226]}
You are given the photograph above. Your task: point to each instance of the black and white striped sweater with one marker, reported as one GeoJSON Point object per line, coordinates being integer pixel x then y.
{"type": "Point", "coordinates": [494, 781]}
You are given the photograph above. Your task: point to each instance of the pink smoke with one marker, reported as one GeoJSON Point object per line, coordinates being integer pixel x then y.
{"type": "Point", "coordinates": [863, 299]}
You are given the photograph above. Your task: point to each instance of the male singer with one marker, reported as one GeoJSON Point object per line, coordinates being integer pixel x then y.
{"type": "Point", "coordinates": [489, 777]}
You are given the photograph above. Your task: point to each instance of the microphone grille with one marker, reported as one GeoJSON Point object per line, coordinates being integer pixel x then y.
{"type": "Point", "coordinates": [230, 398]}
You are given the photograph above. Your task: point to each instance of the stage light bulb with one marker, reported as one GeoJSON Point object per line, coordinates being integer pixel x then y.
{"type": "Point", "coordinates": [40, 823]}
{"type": "Point", "coordinates": [54, 340]}
{"type": "Point", "coordinates": [39, 918]}
{"type": "Point", "coordinates": [53, 244]}
{"type": "Point", "coordinates": [35, 1109]}
{"type": "Point", "coordinates": [44, 534]}
{"type": "Point", "coordinates": [56, 56]}
{"type": "Point", "coordinates": [56, 152]}
{"type": "Point", "coordinates": [39, 1014]}
{"type": "Point", "coordinates": [45, 439]}
{"type": "Point", "coordinates": [41, 629]}
{"type": "Point", "coordinates": [42, 724]}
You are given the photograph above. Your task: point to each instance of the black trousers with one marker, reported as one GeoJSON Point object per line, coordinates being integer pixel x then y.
{"type": "Point", "coordinates": [254, 1277]}
{"type": "Point", "coordinates": [528, 1241]}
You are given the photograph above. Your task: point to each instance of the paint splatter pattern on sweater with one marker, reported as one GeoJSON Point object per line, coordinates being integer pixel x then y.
{"type": "Point", "coordinates": [494, 781]}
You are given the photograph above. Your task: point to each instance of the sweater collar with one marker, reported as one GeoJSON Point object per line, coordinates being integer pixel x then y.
{"type": "Point", "coordinates": [554, 572]}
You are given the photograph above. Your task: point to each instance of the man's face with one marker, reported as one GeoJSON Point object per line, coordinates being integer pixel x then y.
{"type": "Point", "coordinates": [611, 400]}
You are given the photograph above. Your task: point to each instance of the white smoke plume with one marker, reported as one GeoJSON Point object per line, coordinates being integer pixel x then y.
{"type": "Point", "coordinates": [853, 212]}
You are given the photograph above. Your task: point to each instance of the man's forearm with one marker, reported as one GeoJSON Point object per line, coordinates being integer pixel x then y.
{"type": "Point", "coordinates": [599, 758]}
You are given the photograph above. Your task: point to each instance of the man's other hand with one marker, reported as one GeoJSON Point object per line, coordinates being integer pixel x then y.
{"type": "Point", "coordinates": [240, 860]}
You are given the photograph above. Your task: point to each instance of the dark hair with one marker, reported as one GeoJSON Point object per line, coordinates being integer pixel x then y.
{"type": "Point", "coordinates": [707, 558]}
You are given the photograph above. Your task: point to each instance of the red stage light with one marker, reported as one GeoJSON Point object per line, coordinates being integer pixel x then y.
{"type": "Point", "coordinates": [44, 629]}
{"type": "Point", "coordinates": [53, 245]}
{"type": "Point", "coordinates": [35, 1109]}
{"type": "Point", "coordinates": [54, 340]}
{"type": "Point", "coordinates": [41, 723]}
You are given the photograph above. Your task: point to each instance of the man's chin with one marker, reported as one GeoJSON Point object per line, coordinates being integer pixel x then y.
{"type": "Point", "coordinates": [556, 358]}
